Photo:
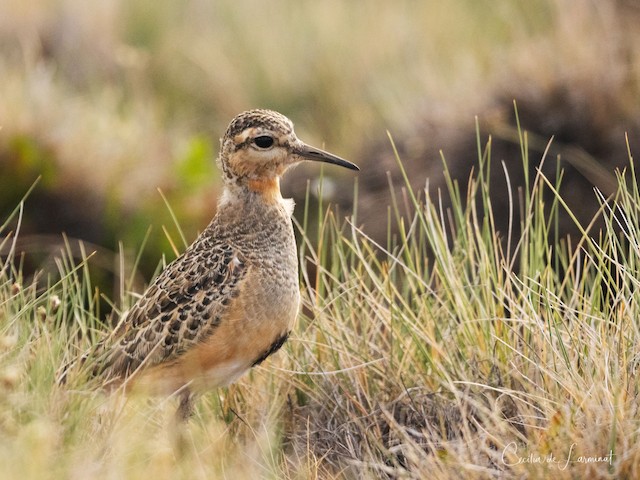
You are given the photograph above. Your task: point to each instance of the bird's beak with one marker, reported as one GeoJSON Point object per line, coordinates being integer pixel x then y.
{"type": "Point", "coordinates": [311, 153]}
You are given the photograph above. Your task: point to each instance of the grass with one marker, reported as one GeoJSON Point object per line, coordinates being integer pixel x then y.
{"type": "Point", "coordinates": [446, 349]}
{"type": "Point", "coordinates": [451, 350]}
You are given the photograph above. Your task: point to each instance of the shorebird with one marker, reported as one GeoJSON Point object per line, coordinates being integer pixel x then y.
{"type": "Point", "coordinates": [231, 299]}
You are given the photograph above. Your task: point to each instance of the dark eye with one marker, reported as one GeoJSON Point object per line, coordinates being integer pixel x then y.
{"type": "Point", "coordinates": [263, 141]}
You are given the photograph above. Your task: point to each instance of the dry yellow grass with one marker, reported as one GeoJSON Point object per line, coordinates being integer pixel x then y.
{"type": "Point", "coordinates": [440, 353]}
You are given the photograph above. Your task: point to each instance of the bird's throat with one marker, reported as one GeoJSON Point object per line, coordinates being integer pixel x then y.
{"type": "Point", "coordinates": [267, 188]}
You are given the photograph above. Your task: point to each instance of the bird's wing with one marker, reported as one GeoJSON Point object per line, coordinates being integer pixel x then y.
{"type": "Point", "coordinates": [182, 307]}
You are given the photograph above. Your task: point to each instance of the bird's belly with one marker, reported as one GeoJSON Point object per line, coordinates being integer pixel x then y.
{"type": "Point", "coordinates": [222, 374]}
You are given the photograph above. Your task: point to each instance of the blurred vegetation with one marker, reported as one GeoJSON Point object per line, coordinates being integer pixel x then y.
{"type": "Point", "coordinates": [404, 362]}
{"type": "Point", "coordinates": [109, 102]}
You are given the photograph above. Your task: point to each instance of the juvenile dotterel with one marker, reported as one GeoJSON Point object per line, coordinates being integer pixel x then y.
{"type": "Point", "coordinates": [230, 300]}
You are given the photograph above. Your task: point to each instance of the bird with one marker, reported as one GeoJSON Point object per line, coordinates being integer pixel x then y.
{"type": "Point", "coordinates": [231, 299]}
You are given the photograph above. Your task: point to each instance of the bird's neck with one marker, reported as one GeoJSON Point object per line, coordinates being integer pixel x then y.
{"type": "Point", "coordinates": [267, 188]}
{"type": "Point", "coordinates": [262, 190]}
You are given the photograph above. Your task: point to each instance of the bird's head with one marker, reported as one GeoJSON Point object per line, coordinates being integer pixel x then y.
{"type": "Point", "coordinates": [259, 146]}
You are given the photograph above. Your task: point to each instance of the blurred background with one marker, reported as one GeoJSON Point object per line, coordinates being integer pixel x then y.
{"type": "Point", "coordinates": [109, 101]}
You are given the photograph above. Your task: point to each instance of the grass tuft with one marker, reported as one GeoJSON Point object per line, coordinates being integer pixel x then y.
{"type": "Point", "coordinates": [452, 350]}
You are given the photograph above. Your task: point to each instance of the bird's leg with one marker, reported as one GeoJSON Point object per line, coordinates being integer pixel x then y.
{"type": "Point", "coordinates": [185, 408]}
{"type": "Point", "coordinates": [180, 430]}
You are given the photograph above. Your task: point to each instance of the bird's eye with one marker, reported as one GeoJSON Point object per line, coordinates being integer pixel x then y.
{"type": "Point", "coordinates": [263, 141]}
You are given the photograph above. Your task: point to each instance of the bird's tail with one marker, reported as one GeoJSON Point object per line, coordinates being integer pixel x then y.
{"type": "Point", "coordinates": [74, 365]}
{"type": "Point", "coordinates": [93, 363]}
